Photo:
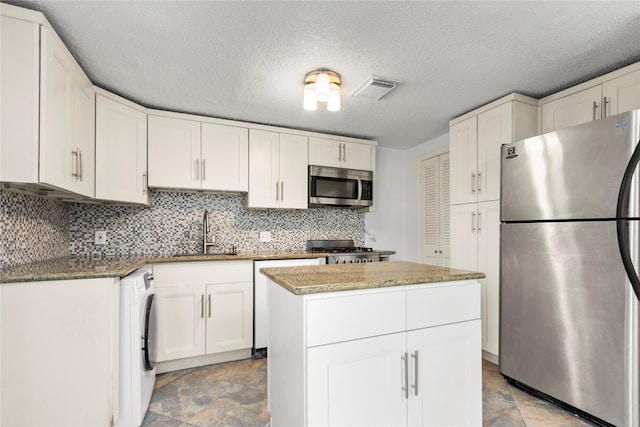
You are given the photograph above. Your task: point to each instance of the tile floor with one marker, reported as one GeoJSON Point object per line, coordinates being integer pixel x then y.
{"type": "Point", "coordinates": [235, 394]}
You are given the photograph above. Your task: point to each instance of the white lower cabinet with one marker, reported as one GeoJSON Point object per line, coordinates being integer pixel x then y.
{"type": "Point", "coordinates": [204, 308]}
{"type": "Point", "coordinates": [59, 353]}
{"type": "Point", "coordinates": [404, 357]}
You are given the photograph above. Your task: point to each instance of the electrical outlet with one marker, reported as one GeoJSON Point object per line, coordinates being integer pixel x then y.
{"type": "Point", "coordinates": [101, 237]}
{"type": "Point", "coordinates": [265, 236]}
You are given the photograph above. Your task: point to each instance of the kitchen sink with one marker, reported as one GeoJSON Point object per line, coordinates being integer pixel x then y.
{"type": "Point", "coordinates": [202, 255]}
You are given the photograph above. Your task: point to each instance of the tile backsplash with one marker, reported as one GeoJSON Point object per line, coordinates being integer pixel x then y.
{"type": "Point", "coordinates": [173, 224]}
{"type": "Point", "coordinates": [32, 228]}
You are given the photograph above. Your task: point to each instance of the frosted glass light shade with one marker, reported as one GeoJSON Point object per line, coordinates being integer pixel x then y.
{"type": "Point", "coordinates": [322, 87]}
{"type": "Point", "coordinates": [333, 104]}
{"type": "Point", "coordinates": [309, 102]}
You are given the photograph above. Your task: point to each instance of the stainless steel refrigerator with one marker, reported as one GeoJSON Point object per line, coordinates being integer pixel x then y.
{"type": "Point", "coordinates": [570, 234]}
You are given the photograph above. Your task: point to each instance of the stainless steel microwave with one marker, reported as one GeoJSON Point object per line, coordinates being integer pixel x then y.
{"type": "Point", "coordinates": [347, 188]}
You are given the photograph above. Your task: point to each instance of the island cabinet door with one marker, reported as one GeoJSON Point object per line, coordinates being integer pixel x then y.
{"type": "Point", "coordinates": [445, 370]}
{"type": "Point", "coordinates": [358, 383]}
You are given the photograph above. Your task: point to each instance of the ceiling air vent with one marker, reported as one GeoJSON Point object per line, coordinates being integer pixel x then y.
{"type": "Point", "coordinates": [375, 87]}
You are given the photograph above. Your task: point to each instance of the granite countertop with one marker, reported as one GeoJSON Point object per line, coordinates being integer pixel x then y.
{"type": "Point", "coordinates": [89, 268]}
{"type": "Point", "coordinates": [345, 277]}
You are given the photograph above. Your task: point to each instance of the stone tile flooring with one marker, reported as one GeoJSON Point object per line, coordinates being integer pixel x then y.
{"type": "Point", "coordinates": [235, 394]}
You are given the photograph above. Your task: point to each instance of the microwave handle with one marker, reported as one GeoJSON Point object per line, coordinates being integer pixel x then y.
{"type": "Point", "coordinates": [359, 188]}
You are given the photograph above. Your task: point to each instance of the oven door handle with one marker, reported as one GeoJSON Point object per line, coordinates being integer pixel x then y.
{"type": "Point", "coordinates": [359, 189]}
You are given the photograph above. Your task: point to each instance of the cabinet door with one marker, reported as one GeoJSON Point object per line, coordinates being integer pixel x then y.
{"type": "Point", "coordinates": [20, 100]}
{"type": "Point", "coordinates": [84, 133]}
{"type": "Point", "coordinates": [358, 383]}
{"type": "Point", "coordinates": [264, 169]}
{"type": "Point", "coordinates": [294, 188]}
{"type": "Point", "coordinates": [463, 146]}
{"type": "Point", "coordinates": [489, 263]}
{"type": "Point", "coordinates": [229, 317]}
{"type": "Point", "coordinates": [464, 236]}
{"type": "Point", "coordinates": [181, 321]}
{"type": "Point", "coordinates": [445, 375]}
{"type": "Point", "coordinates": [225, 158]}
{"type": "Point", "coordinates": [433, 182]}
{"type": "Point", "coordinates": [174, 153]}
{"type": "Point", "coordinates": [494, 129]}
{"type": "Point", "coordinates": [58, 155]}
{"type": "Point", "coordinates": [621, 94]}
{"type": "Point", "coordinates": [356, 156]}
{"type": "Point", "coordinates": [121, 152]}
{"type": "Point", "coordinates": [581, 107]}
{"type": "Point", "coordinates": [325, 152]}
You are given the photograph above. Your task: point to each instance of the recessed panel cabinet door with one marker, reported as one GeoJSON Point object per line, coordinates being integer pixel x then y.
{"type": "Point", "coordinates": [464, 236]}
{"type": "Point", "coordinates": [85, 133]}
{"type": "Point", "coordinates": [494, 129]}
{"type": "Point", "coordinates": [174, 153]}
{"type": "Point", "coordinates": [358, 383]}
{"type": "Point", "coordinates": [622, 94]}
{"type": "Point", "coordinates": [445, 375]}
{"type": "Point", "coordinates": [225, 158]}
{"type": "Point", "coordinates": [463, 146]}
{"type": "Point", "coordinates": [264, 176]}
{"type": "Point", "coordinates": [229, 314]}
{"type": "Point", "coordinates": [489, 264]}
{"type": "Point", "coordinates": [294, 188]}
{"type": "Point", "coordinates": [121, 152]}
{"type": "Point", "coordinates": [181, 321]}
{"type": "Point", "coordinates": [580, 107]}
{"type": "Point", "coordinates": [58, 156]}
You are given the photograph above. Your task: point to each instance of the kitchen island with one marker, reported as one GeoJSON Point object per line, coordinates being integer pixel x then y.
{"type": "Point", "coordinates": [393, 343]}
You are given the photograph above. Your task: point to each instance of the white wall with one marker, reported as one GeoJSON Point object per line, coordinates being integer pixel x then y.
{"type": "Point", "coordinates": [394, 221]}
{"type": "Point", "coordinates": [385, 224]}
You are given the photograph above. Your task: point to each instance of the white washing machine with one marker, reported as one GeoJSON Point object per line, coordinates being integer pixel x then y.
{"type": "Point", "coordinates": [138, 346]}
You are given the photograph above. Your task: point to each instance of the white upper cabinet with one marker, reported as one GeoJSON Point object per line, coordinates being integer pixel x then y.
{"type": "Point", "coordinates": [67, 103]}
{"type": "Point", "coordinates": [463, 147]}
{"type": "Point", "coordinates": [340, 154]}
{"type": "Point", "coordinates": [278, 170]}
{"type": "Point", "coordinates": [225, 158]}
{"type": "Point", "coordinates": [621, 94]}
{"type": "Point", "coordinates": [174, 153]}
{"type": "Point", "coordinates": [48, 109]}
{"type": "Point", "coordinates": [604, 96]}
{"type": "Point", "coordinates": [189, 154]}
{"type": "Point", "coordinates": [572, 110]}
{"type": "Point", "coordinates": [20, 99]}
{"type": "Point", "coordinates": [121, 150]}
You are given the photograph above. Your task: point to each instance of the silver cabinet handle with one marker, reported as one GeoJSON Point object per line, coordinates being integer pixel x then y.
{"type": "Point", "coordinates": [405, 359]}
{"type": "Point", "coordinates": [415, 373]}
{"type": "Point", "coordinates": [202, 306]}
{"type": "Point", "coordinates": [144, 183]}
{"type": "Point", "coordinates": [595, 110]}
{"type": "Point", "coordinates": [473, 220]}
{"type": "Point", "coordinates": [605, 102]}
{"type": "Point", "coordinates": [277, 190]}
{"type": "Point", "coordinates": [74, 159]}
{"type": "Point", "coordinates": [81, 168]}
{"type": "Point", "coordinates": [339, 153]}
{"type": "Point", "coordinates": [473, 183]}
{"type": "Point", "coordinates": [479, 227]}
{"type": "Point", "coordinates": [479, 182]}
{"type": "Point", "coordinates": [281, 190]}
{"type": "Point", "coordinates": [197, 169]}
{"type": "Point", "coordinates": [209, 306]}
{"type": "Point", "coordinates": [344, 152]}
{"type": "Point", "coordinates": [204, 170]}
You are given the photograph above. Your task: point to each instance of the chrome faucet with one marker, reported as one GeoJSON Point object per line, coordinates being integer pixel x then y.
{"type": "Point", "coordinates": [205, 231]}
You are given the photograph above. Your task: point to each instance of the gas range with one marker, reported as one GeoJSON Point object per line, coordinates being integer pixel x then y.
{"type": "Point", "coordinates": [343, 251]}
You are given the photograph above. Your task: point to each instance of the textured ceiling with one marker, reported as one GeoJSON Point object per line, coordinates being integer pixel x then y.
{"type": "Point", "coordinates": [246, 60]}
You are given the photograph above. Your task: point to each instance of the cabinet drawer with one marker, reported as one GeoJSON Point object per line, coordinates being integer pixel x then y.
{"type": "Point", "coordinates": [203, 272]}
{"type": "Point", "coordinates": [345, 318]}
{"type": "Point", "coordinates": [440, 305]}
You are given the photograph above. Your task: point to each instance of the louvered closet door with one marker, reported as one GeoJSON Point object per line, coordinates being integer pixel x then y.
{"type": "Point", "coordinates": [433, 202]}
{"type": "Point", "coordinates": [430, 211]}
{"type": "Point", "coordinates": [444, 224]}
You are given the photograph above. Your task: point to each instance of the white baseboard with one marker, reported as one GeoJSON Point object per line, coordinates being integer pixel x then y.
{"type": "Point", "coordinates": [207, 359]}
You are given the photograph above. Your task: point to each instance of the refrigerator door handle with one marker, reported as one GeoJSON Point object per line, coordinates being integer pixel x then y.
{"type": "Point", "coordinates": [622, 225]}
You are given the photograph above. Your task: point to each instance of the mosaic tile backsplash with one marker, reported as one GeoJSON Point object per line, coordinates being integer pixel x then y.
{"type": "Point", "coordinates": [32, 228]}
{"type": "Point", "coordinates": [173, 225]}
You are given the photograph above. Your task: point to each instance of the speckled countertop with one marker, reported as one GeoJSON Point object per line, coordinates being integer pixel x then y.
{"type": "Point", "coordinates": [346, 277]}
{"type": "Point", "coordinates": [88, 268]}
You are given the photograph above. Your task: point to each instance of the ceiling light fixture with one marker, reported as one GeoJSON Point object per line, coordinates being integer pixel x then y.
{"type": "Point", "coordinates": [322, 86]}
